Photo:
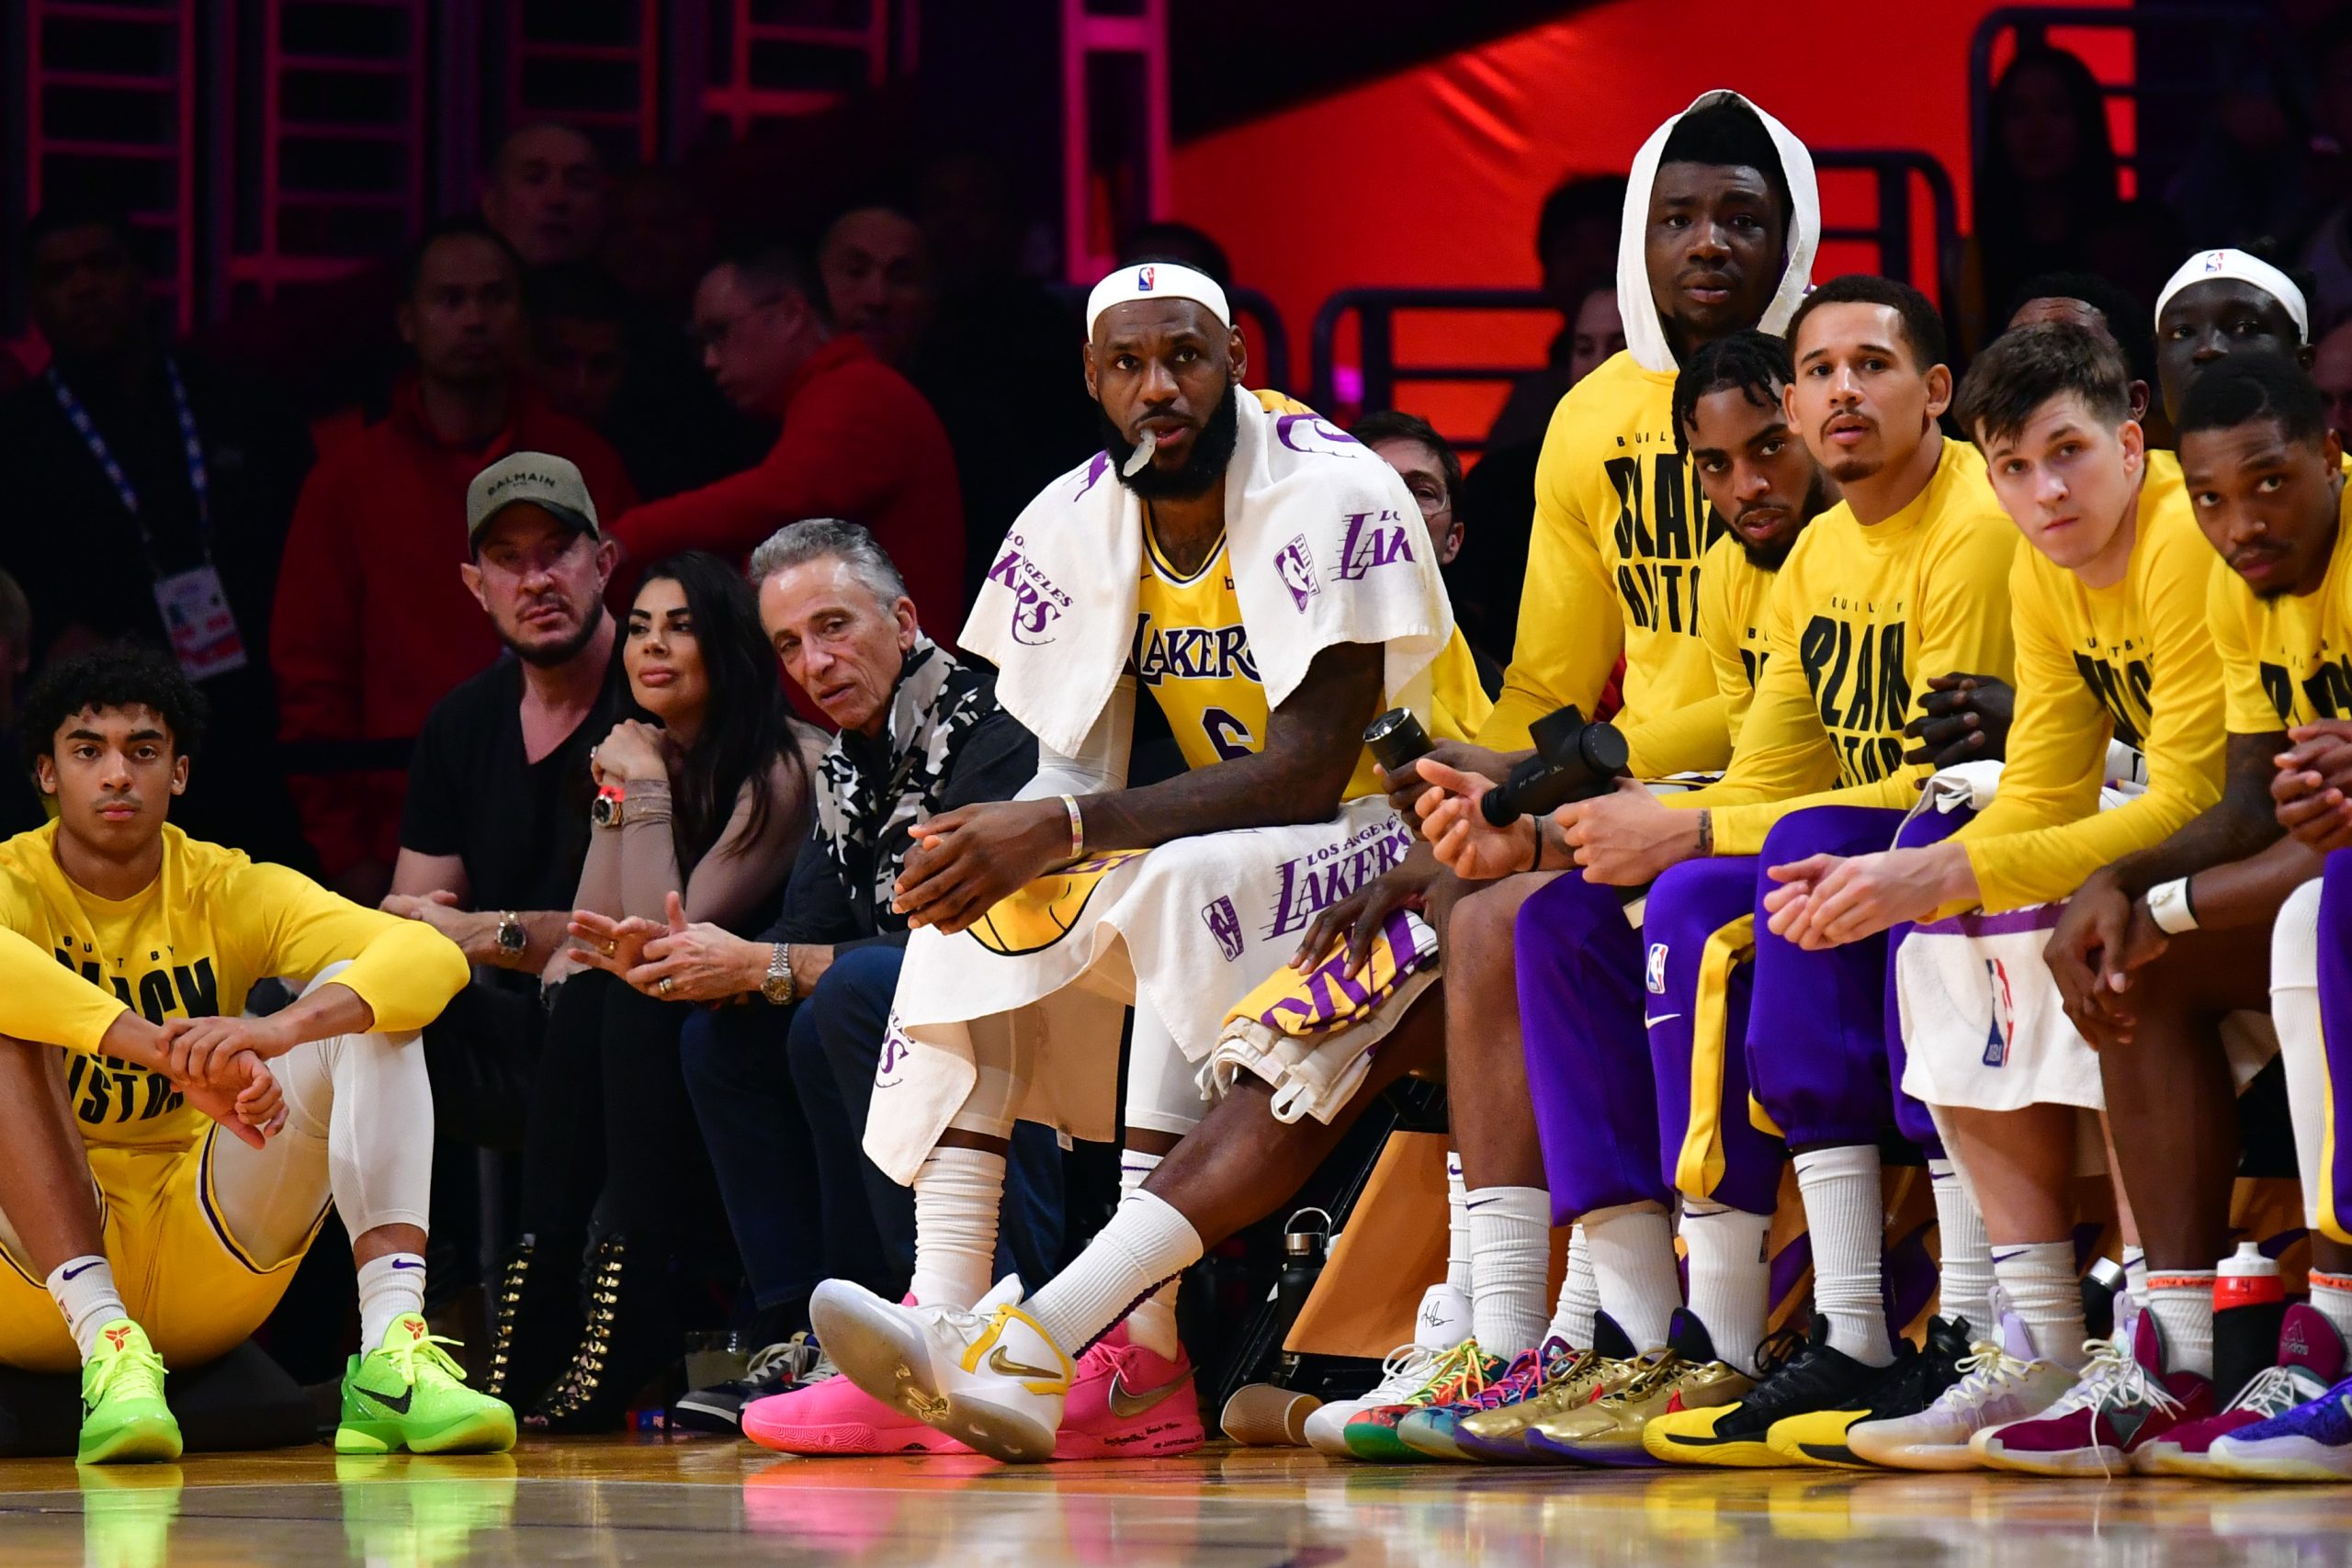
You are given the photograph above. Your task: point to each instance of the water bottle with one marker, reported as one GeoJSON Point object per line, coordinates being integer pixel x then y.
{"type": "Point", "coordinates": [1303, 1252]}
{"type": "Point", "coordinates": [2249, 1307]}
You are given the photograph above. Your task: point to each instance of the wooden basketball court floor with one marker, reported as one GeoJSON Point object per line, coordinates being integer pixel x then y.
{"type": "Point", "coordinates": [628, 1500]}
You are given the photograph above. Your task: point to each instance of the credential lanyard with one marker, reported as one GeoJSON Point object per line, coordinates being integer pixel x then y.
{"type": "Point", "coordinates": [199, 477]}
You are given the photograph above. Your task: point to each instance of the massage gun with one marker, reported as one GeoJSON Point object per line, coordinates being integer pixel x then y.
{"type": "Point", "coordinates": [1573, 761]}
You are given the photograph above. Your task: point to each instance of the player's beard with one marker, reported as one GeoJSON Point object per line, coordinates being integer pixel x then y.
{"type": "Point", "coordinates": [1771, 558]}
{"type": "Point", "coordinates": [1202, 466]}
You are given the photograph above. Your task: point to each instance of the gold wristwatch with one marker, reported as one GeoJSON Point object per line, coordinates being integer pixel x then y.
{"type": "Point", "coordinates": [777, 988]}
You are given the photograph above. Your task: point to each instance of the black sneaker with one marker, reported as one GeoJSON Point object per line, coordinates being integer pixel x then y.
{"type": "Point", "coordinates": [779, 1368]}
{"type": "Point", "coordinates": [1908, 1387]}
{"type": "Point", "coordinates": [1817, 1377]}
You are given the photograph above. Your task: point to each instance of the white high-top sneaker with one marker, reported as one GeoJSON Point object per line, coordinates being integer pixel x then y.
{"type": "Point", "coordinates": [2001, 1381]}
{"type": "Point", "coordinates": [990, 1377]}
{"type": "Point", "coordinates": [1443, 1323]}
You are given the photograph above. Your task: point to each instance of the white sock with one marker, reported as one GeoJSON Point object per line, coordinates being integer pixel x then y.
{"type": "Point", "coordinates": [1967, 1266]}
{"type": "Point", "coordinates": [1579, 1295]}
{"type": "Point", "coordinates": [389, 1286]}
{"type": "Point", "coordinates": [1147, 1242]}
{"type": "Point", "coordinates": [2332, 1298]}
{"type": "Point", "coordinates": [2039, 1281]}
{"type": "Point", "coordinates": [1633, 1266]}
{"type": "Point", "coordinates": [1510, 1266]}
{"type": "Point", "coordinates": [1731, 1277]}
{"type": "Point", "coordinates": [2182, 1300]}
{"type": "Point", "coordinates": [1153, 1323]}
{"type": "Point", "coordinates": [1457, 1227]}
{"type": "Point", "coordinates": [2135, 1277]}
{"type": "Point", "coordinates": [958, 1194]}
{"type": "Point", "coordinates": [1846, 1217]}
{"type": "Point", "coordinates": [85, 1291]}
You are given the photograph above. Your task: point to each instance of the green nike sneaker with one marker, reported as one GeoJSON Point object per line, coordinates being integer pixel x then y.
{"type": "Point", "coordinates": [408, 1393]}
{"type": "Point", "coordinates": [124, 1417]}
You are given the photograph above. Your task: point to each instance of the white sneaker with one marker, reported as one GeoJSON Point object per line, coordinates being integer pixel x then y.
{"type": "Point", "coordinates": [1999, 1382]}
{"type": "Point", "coordinates": [989, 1377]}
{"type": "Point", "coordinates": [1443, 1323]}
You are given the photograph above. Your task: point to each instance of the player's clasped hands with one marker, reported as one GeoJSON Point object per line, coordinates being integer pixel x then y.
{"type": "Point", "coordinates": [967, 859]}
{"type": "Point", "coordinates": [2312, 789]}
{"type": "Point", "coordinates": [219, 1065]}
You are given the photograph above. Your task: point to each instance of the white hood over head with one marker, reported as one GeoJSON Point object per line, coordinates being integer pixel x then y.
{"type": "Point", "coordinates": [1645, 333]}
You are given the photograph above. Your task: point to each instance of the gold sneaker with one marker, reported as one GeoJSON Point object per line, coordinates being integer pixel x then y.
{"type": "Point", "coordinates": [1684, 1376]}
{"type": "Point", "coordinates": [1500, 1435]}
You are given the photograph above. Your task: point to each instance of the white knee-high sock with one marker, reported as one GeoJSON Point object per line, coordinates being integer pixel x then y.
{"type": "Point", "coordinates": [1632, 1268]}
{"type": "Point", "coordinates": [1966, 1269]}
{"type": "Point", "coordinates": [1153, 1325]}
{"type": "Point", "coordinates": [1731, 1277]}
{"type": "Point", "coordinates": [2303, 1051]}
{"type": "Point", "coordinates": [2039, 1281]}
{"type": "Point", "coordinates": [389, 1286]}
{"type": "Point", "coordinates": [2182, 1300]}
{"type": "Point", "coordinates": [1458, 1273]}
{"type": "Point", "coordinates": [1147, 1242]}
{"type": "Point", "coordinates": [958, 1194]}
{"type": "Point", "coordinates": [1579, 1295]}
{"type": "Point", "coordinates": [1845, 1213]}
{"type": "Point", "coordinates": [85, 1291]}
{"type": "Point", "coordinates": [1511, 1264]}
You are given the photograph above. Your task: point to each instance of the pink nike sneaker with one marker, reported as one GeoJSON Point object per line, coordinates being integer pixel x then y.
{"type": "Point", "coordinates": [835, 1416]}
{"type": "Point", "coordinates": [1127, 1402]}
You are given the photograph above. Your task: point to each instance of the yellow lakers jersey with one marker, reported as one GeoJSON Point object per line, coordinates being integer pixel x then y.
{"type": "Point", "coordinates": [2286, 660]}
{"type": "Point", "coordinates": [1734, 593]}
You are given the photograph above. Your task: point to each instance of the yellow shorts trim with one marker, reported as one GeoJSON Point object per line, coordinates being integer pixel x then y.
{"type": "Point", "coordinates": [1701, 1162]}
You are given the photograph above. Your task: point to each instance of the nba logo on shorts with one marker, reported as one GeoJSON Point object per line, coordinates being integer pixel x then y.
{"type": "Point", "coordinates": [1145, 277]}
{"type": "Point", "coordinates": [2003, 1027]}
{"type": "Point", "coordinates": [1225, 924]}
{"type": "Point", "coordinates": [1296, 564]}
{"type": "Point", "coordinates": [1655, 975]}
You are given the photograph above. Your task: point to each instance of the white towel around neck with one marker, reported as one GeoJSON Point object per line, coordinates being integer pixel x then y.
{"type": "Point", "coordinates": [1325, 546]}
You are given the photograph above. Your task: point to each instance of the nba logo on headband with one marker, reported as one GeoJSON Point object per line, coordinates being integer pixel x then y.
{"type": "Point", "coordinates": [1144, 276]}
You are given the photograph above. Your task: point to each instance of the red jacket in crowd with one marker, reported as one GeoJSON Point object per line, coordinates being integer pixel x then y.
{"type": "Point", "coordinates": [373, 625]}
{"type": "Point", "coordinates": [858, 443]}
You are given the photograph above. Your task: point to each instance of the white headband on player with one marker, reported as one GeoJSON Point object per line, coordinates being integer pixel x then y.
{"type": "Point", "coordinates": [2206, 265]}
{"type": "Point", "coordinates": [1156, 280]}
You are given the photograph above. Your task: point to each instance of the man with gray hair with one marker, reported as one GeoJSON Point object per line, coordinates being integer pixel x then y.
{"type": "Point", "coordinates": [919, 734]}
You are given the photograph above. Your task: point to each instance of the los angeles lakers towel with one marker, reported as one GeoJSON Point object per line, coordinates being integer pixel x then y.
{"type": "Point", "coordinates": [1183, 933]}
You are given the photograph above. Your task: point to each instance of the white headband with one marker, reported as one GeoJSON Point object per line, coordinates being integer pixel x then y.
{"type": "Point", "coordinates": [1156, 280]}
{"type": "Point", "coordinates": [2206, 265]}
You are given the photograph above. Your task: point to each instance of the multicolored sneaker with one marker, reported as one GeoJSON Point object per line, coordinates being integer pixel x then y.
{"type": "Point", "coordinates": [1458, 1374]}
{"type": "Point", "coordinates": [2000, 1382]}
{"type": "Point", "coordinates": [1818, 1377]}
{"type": "Point", "coordinates": [1908, 1387]}
{"type": "Point", "coordinates": [1686, 1375]}
{"type": "Point", "coordinates": [1129, 1401]}
{"type": "Point", "coordinates": [124, 1418]}
{"type": "Point", "coordinates": [1501, 1435]}
{"type": "Point", "coordinates": [408, 1393]}
{"type": "Point", "coordinates": [1443, 1321]}
{"type": "Point", "coordinates": [2123, 1400]}
{"type": "Point", "coordinates": [1430, 1433]}
{"type": "Point", "coordinates": [990, 1377]}
{"type": "Point", "coordinates": [2280, 1428]}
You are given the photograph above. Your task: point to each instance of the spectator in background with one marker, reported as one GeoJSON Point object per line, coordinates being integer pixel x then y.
{"type": "Point", "coordinates": [781, 1085]}
{"type": "Point", "coordinates": [374, 625]}
{"type": "Point", "coordinates": [1431, 470]}
{"type": "Point", "coordinates": [20, 801]}
{"type": "Point", "coordinates": [544, 193]}
{"type": "Point", "coordinates": [876, 276]}
{"type": "Point", "coordinates": [597, 359]}
{"type": "Point", "coordinates": [658, 242]}
{"type": "Point", "coordinates": [2326, 254]}
{"type": "Point", "coordinates": [1035, 419]}
{"type": "Point", "coordinates": [2133, 247]}
{"type": "Point", "coordinates": [2332, 369]}
{"type": "Point", "coordinates": [1185, 242]}
{"type": "Point", "coordinates": [177, 475]}
{"type": "Point", "coordinates": [857, 440]}
{"type": "Point", "coordinates": [1576, 246]}
{"type": "Point", "coordinates": [495, 828]}
{"type": "Point", "coordinates": [2100, 305]}
{"type": "Point", "coordinates": [2047, 184]}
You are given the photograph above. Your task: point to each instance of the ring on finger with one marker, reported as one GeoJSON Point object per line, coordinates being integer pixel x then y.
{"type": "Point", "coordinates": [665, 987]}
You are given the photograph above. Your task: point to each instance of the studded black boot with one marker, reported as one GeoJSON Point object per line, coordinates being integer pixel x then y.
{"type": "Point", "coordinates": [630, 1333]}
{"type": "Point", "coordinates": [533, 1320]}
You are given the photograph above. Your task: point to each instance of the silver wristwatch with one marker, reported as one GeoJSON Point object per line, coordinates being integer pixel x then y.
{"type": "Point", "coordinates": [777, 988]}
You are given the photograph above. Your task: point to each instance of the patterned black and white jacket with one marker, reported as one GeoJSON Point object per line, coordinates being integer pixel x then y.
{"type": "Point", "coordinates": [947, 744]}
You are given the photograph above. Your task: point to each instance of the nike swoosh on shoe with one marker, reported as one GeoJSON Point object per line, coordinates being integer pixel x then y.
{"type": "Point", "coordinates": [1127, 1404]}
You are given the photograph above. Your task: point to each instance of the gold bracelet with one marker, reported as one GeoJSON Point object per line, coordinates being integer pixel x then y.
{"type": "Point", "coordinates": [1077, 828]}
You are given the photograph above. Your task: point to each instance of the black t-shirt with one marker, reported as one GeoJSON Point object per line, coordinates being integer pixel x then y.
{"type": "Point", "coordinates": [520, 826]}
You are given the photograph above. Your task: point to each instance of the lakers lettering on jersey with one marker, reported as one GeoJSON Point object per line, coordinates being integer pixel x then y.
{"type": "Point", "coordinates": [1192, 654]}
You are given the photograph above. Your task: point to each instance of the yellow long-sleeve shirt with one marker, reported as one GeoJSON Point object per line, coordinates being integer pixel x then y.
{"type": "Point", "coordinates": [190, 945]}
{"type": "Point", "coordinates": [1613, 567]}
{"type": "Point", "coordinates": [1860, 618]}
{"type": "Point", "coordinates": [2136, 660]}
{"type": "Point", "coordinates": [2286, 660]}
{"type": "Point", "coordinates": [1735, 598]}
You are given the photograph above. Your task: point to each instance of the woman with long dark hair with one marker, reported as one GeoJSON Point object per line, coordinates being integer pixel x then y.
{"type": "Point", "coordinates": [702, 797]}
{"type": "Point", "coordinates": [2045, 181]}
